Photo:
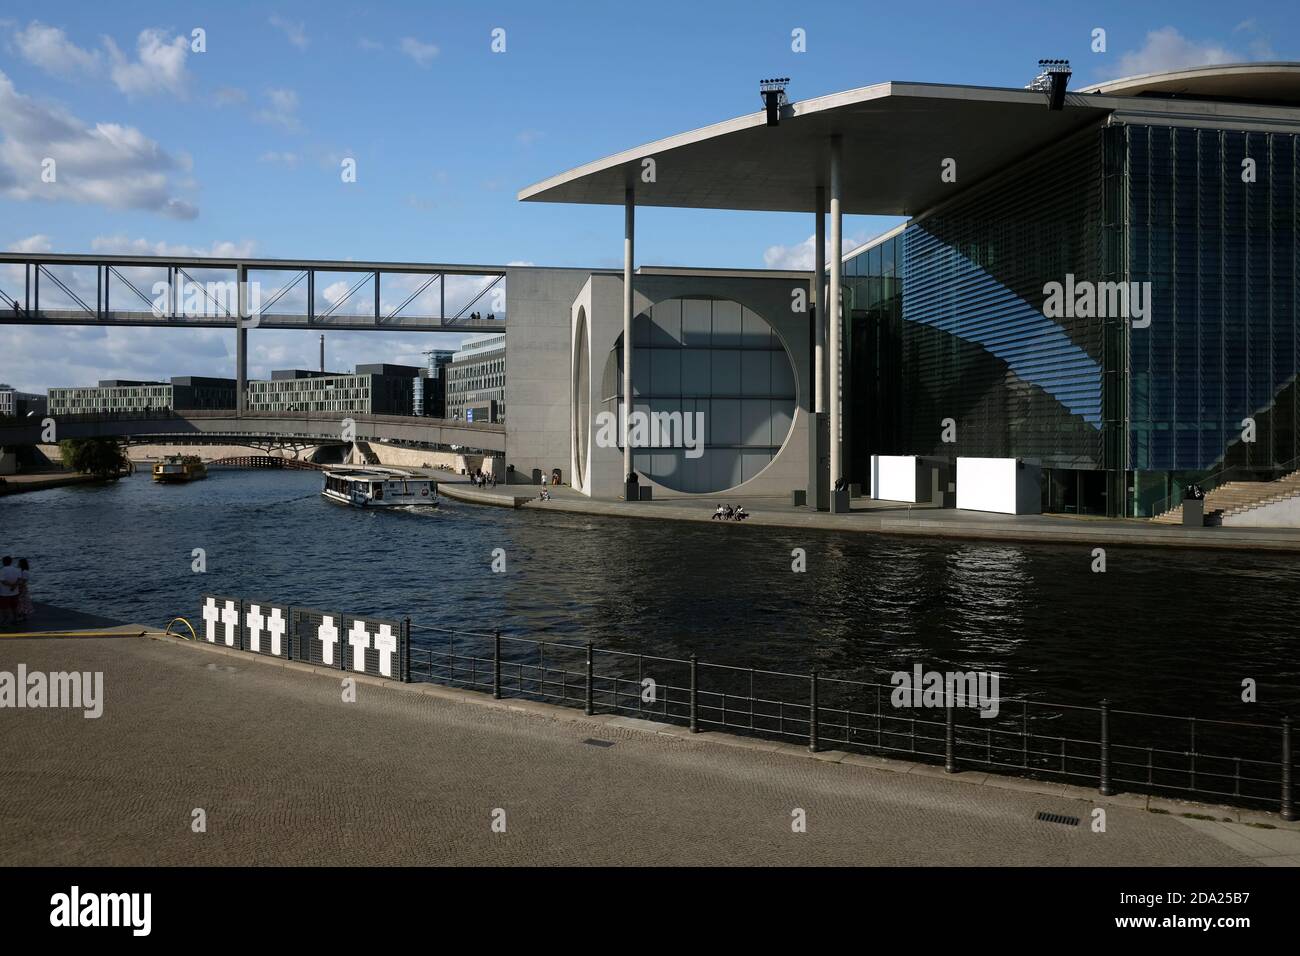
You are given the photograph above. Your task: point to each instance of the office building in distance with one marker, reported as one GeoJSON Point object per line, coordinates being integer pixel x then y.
{"type": "Point", "coordinates": [476, 383]}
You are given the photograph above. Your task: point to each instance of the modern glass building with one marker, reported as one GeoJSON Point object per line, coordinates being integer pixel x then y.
{"type": "Point", "coordinates": [1097, 285]}
{"type": "Point", "coordinates": [949, 318]}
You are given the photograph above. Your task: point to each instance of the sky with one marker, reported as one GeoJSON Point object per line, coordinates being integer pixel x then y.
{"type": "Point", "coordinates": [237, 148]}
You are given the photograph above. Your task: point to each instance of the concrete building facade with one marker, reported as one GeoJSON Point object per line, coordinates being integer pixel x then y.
{"type": "Point", "coordinates": [476, 379]}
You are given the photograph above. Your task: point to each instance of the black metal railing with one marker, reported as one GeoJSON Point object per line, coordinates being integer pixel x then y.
{"type": "Point", "coordinates": [1235, 762]}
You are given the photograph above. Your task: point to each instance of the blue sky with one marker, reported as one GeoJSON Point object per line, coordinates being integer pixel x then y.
{"type": "Point", "coordinates": [237, 149]}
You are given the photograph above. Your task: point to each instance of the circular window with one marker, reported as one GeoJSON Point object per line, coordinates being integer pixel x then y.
{"type": "Point", "coordinates": [714, 393]}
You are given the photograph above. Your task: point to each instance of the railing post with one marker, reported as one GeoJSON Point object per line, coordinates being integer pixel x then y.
{"type": "Point", "coordinates": [496, 665]}
{"type": "Point", "coordinates": [695, 696]}
{"type": "Point", "coordinates": [812, 717]}
{"type": "Point", "coordinates": [950, 735]}
{"type": "Point", "coordinates": [406, 650]}
{"type": "Point", "coordinates": [591, 705]}
{"type": "Point", "coordinates": [1103, 783]}
{"type": "Point", "coordinates": [1288, 807]}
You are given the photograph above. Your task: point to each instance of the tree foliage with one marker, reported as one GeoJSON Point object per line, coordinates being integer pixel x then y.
{"type": "Point", "coordinates": [101, 457]}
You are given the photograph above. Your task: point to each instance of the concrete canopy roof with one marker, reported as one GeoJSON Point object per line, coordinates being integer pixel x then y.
{"type": "Point", "coordinates": [1258, 82]}
{"type": "Point", "coordinates": [895, 137]}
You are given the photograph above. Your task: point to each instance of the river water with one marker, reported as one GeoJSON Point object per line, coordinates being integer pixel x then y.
{"type": "Point", "coordinates": [1162, 630]}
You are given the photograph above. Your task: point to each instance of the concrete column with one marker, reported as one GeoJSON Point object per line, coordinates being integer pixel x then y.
{"type": "Point", "coordinates": [833, 310]}
{"type": "Point", "coordinates": [241, 341]}
{"type": "Point", "coordinates": [629, 234]}
{"type": "Point", "coordinates": [819, 295]}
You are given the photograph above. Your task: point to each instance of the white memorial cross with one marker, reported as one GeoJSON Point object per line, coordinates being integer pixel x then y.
{"type": "Point", "coordinates": [275, 626]}
{"type": "Point", "coordinates": [359, 638]}
{"type": "Point", "coordinates": [329, 636]}
{"type": "Point", "coordinates": [386, 645]}
{"type": "Point", "coordinates": [230, 618]}
{"type": "Point", "coordinates": [255, 621]}
{"type": "Point", "coordinates": [210, 617]}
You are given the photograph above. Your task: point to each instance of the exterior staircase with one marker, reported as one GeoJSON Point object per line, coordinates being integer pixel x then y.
{"type": "Point", "coordinates": [1236, 497]}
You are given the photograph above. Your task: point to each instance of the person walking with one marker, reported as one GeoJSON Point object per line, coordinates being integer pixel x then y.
{"type": "Point", "coordinates": [25, 609]}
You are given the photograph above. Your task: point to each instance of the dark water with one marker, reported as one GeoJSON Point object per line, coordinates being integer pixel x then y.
{"type": "Point", "coordinates": [1164, 631]}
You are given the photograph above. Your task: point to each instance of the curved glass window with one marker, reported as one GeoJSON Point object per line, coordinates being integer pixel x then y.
{"type": "Point", "coordinates": [716, 389]}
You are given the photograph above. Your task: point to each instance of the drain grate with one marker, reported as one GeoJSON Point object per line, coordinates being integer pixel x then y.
{"type": "Point", "coordinates": [594, 742]}
{"type": "Point", "coordinates": [1058, 818]}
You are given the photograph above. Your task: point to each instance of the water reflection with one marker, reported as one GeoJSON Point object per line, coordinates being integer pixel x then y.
{"type": "Point", "coordinates": [1161, 630]}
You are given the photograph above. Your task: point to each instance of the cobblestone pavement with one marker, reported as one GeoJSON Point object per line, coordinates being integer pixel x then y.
{"type": "Point", "coordinates": [288, 773]}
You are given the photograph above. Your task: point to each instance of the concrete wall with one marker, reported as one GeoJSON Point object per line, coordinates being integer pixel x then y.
{"type": "Point", "coordinates": [1279, 514]}
{"type": "Point", "coordinates": [538, 368]}
{"type": "Point", "coordinates": [397, 456]}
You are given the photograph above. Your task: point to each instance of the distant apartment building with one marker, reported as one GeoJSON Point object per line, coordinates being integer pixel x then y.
{"type": "Point", "coordinates": [378, 389]}
{"type": "Point", "coordinates": [476, 383]}
{"type": "Point", "coordinates": [121, 395]}
{"type": "Point", "coordinates": [16, 404]}
{"type": "Point", "coordinates": [430, 395]}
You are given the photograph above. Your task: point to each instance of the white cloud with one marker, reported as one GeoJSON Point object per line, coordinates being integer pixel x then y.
{"type": "Point", "coordinates": [528, 137]}
{"type": "Point", "coordinates": [108, 164]}
{"type": "Point", "coordinates": [229, 96]}
{"type": "Point", "coordinates": [281, 110]}
{"type": "Point", "coordinates": [37, 243]}
{"type": "Point", "coordinates": [1166, 49]}
{"type": "Point", "coordinates": [50, 49]}
{"type": "Point", "coordinates": [160, 68]}
{"type": "Point", "coordinates": [369, 45]}
{"type": "Point", "coordinates": [279, 159]}
{"type": "Point", "coordinates": [295, 33]}
{"type": "Point", "coordinates": [335, 291]}
{"type": "Point", "coordinates": [422, 53]}
{"type": "Point", "coordinates": [124, 246]}
{"type": "Point", "coordinates": [799, 256]}
{"type": "Point", "coordinates": [802, 256]}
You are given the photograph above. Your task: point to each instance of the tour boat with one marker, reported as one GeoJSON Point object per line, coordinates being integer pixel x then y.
{"type": "Point", "coordinates": [379, 488]}
{"type": "Point", "coordinates": [176, 468]}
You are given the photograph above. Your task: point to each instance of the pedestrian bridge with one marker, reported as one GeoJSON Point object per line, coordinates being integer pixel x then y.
{"type": "Point", "coordinates": [163, 424]}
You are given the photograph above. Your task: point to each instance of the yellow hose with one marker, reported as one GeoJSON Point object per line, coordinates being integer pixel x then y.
{"type": "Point", "coordinates": [167, 632]}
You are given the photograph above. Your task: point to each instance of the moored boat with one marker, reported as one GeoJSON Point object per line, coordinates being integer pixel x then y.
{"type": "Point", "coordinates": [372, 487]}
{"type": "Point", "coordinates": [178, 468]}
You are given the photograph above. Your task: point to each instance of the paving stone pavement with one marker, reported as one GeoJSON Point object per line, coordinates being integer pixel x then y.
{"type": "Point", "coordinates": [290, 774]}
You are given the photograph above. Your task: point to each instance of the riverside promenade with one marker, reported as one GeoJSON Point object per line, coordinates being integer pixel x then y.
{"type": "Point", "coordinates": [40, 480]}
{"type": "Point", "coordinates": [286, 772]}
{"type": "Point", "coordinates": [892, 517]}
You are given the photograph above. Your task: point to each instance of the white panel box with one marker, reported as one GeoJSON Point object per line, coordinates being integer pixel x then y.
{"type": "Point", "coordinates": [898, 478]}
{"type": "Point", "coordinates": [1003, 485]}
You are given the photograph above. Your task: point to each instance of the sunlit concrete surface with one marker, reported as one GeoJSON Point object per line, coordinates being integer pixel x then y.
{"type": "Point", "coordinates": [287, 773]}
{"type": "Point", "coordinates": [897, 517]}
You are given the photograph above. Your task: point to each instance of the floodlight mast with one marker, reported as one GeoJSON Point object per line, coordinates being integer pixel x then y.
{"type": "Point", "coordinates": [773, 93]}
{"type": "Point", "coordinates": [1052, 78]}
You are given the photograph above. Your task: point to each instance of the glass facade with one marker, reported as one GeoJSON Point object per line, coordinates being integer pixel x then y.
{"type": "Point", "coordinates": [1220, 253]}
{"type": "Point", "coordinates": [949, 319]}
{"type": "Point", "coordinates": [949, 339]}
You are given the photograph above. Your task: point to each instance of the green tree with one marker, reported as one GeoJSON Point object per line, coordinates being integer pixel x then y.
{"type": "Point", "coordinates": [102, 457]}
